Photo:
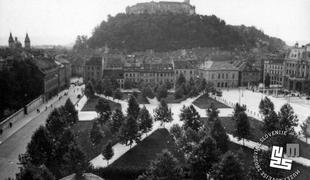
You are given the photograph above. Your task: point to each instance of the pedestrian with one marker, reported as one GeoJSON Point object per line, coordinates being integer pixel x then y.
{"type": "Point", "coordinates": [10, 124]}
{"type": "Point", "coordinates": [1, 131]}
{"type": "Point", "coordinates": [45, 108]}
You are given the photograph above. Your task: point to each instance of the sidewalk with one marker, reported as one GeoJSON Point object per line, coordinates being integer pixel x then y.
{"type": "Point", "coordinates": [30, 116]}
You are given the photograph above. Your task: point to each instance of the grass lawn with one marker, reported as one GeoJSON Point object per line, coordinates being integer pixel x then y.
{"type": "Point", "coordinates": [141, 155]}
{"type": "Point", "coordinates": [204, 102]}
{"type": "Point", "coordinates": [82, 130]}
{"type": "Point", "coordinates": [91, 104]}
{"type": "Point", "coordinates": [171, 99]}
{"type": "Point", "coordinates": [140, 99]}
{"type": "Point", "coordinates": [257, 133]}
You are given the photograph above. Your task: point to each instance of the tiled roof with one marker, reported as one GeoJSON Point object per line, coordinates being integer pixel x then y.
{"type": "Point", "coordinates": [218, 65]}
{"type": "Point", "coordinates": [188, 64]}
{"type": "Point", "coordinates": [45, 64]}
{"type": "Point", "coordinates": [94, 61]}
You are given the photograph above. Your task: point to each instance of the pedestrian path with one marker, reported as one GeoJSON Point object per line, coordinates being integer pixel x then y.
{"type": "Point", "coordinates": [30, 116]}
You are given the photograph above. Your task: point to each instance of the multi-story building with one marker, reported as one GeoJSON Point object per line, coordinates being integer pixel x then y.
{"type": "Point", "coordinates": [189, 68]}
{"type": "Point", "coordinates": [113, 68]}
{"type": "Point", "coordinates": [93, 68]}
{"type": "Point", "coordinates": [297, 68]}
{"type": "Point", "coordinates": [162, 7]}
{"type": "Point", "coordinates": [220, 73]}
{"type": "Point", "coordinates": [248, 74]}
{"type": "Point", "coordinates": [273, 66]}
{"type": "Point", "coordinates": [65, 70]}
{"type": "Point", "coordinates": [149, 73]}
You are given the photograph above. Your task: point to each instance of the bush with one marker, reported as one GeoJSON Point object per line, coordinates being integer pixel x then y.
{"type": "Point", "coordinates": [148, 92]}
{"type": "Point", "coordinates": [178, 94]}
{"type": "Point", "coordinates": [111, 172]}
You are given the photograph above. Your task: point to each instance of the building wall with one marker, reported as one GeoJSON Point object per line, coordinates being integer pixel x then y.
{"type": "Point", "coordinates": [188, 73]}
{"type": "Point", "coordinates": [221, 78]}
{"type": "Point", "coordinates": [275, 71]}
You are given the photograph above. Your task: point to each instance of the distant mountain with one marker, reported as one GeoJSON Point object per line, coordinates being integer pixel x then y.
{"type": "Point", "coordinates": [165, 32]}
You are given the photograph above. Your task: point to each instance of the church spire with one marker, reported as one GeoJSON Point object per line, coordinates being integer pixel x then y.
{"type": "Point", "coordinates": [27, 42]}
{"type": "Point", "coordinates": [11, 41]}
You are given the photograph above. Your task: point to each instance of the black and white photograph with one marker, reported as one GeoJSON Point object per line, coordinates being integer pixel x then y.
{"type": "Point", "coordinates": [155, 90]}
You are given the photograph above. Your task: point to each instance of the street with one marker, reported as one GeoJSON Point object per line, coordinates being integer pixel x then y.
{"type": "Point", "coordinates": [16, 144]}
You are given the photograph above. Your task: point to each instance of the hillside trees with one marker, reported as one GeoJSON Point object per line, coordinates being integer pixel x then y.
{"type": "Point", "coordinates": [167, 31]}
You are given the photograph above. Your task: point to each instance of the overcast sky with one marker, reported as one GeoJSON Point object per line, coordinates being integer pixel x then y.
{"type": "Point", "coordinates": [60, 21]}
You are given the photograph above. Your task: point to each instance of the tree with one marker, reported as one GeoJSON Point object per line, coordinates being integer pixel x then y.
{"type": "Point", "coordinates": [145, 119]}
{"type": "Point", "coordinates": [73, 114]}
{"type": "Point", "coordinates": [305, 128]}
{"type": "Point", "coordinates": [202, 158]}
{"type": "Point", "coordinates": [229, 168]}
{"type": "Point", "coordinates": [212, 113]}
{"type": "Point", "coordinates": [116, 121]}
{"type": "Point", "coordinates": [287, 121]}
{"type": "Point", "coordinates": [89, 90]}
{"type": "Point", "coordinates": [95, 134]}
{"type": "Point", "coordinates": [129, 131]}
{"type": "Point", "coordinates": [163, 113]}
{"type": "Point", "coordinates": [133, 107]}
{"type": "Point", "coordinates": [267, 80]}
{"type": "Point", "coordinates": [271, 121]}
{"type": "Point", "coordinates": [265, 106]}
{"type": "Point", "coordinates": [176, 131]}
{"type": "Point", "coordinates": [99, 88]}
{"type": "Point", "coordinates": [161, 92]}
{"type": "Point", "coordinates": [179, 92]}
{"type": "Point", "coordinates": [40, 147]}
{"type": "Point", "coordinates": [127, 84]}
{"type": "Point", "coordinates": [242, 126]}
{"type": "Point", "coordinates": [180, 81]}
{"type": "Point", "coordinates": [103, 108]}
{"type": "Point", "coordinates": [287, 118]}
{"type": "Point", "coordinates": [148, 92]}
{"type": "Point", "coordinates": [202, 86]}
{"type": "Point", "coordinates": [56, 122]}
{"type": "Point", "coordinates": [31, 172]}
{"type": "Point", "coordinates": [238, 109]}
{"type": "Point", "coordinates": [191, 118]}
{"type": "Point", "coordinates": [108, 152]}
{"type": "Point", "coordinates": [218, 133]}
{"type": "Point", "coordinates": [165, 166]}
{"type": "Point", "coordinates": [75, 161]}
{"type": "Point", "coordinates": [117, 94]}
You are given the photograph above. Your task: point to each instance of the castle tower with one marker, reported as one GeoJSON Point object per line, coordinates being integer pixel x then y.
{"type": "Point", "coordinates": [11, 41]}
{"type": "Point", "coordinates": [27, 42]}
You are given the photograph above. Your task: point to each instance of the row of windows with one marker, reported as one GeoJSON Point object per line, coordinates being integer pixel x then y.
{"type": "Point", "coordinates": [222, 76]}
{"type": "Point", "coordinates": [184, 72]}
{"type": "Point", "coordinates": [92, 67]}
{"type": "Point", "coordinates": [149, 74]}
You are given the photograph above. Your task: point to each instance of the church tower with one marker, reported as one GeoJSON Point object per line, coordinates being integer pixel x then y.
{"type": "Point", "coordinates": [11, 41]}
{"type": "Point", "coordinates": [27, 42]}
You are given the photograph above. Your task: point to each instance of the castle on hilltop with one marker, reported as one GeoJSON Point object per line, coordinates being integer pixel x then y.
{"type": "Point", "coordinates": [162, 7]}
{"type": "Point", "coordinates": [15, 43]}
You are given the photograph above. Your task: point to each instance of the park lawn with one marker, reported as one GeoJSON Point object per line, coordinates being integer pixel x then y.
{"type": "Point", "coordinates": [257, 133]}
{"type": "Point", "coordinates": [170, 99]}
{"type": "Point", "coordinates": [141, 155]}
{"type": "Point", "coordinates": [82, 131]}
{"type": "Point", "coordinates": [91, 104]}
{"type": "Point", "coordinates": [140, 99]}
{"type": "Point", "coordinates": [204, 102]}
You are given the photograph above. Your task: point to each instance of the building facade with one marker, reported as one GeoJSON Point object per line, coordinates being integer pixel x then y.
{"type": "Point", "coordinates": [220, 73]}
{"type": "Point", "coordinates": [162, 7]}
{"type": "Point", "coordinates": [93, 68]}
{"type": "Point", "coordinates": [297, 68]}
{"type": "Point", "coordinates": [248, 74]}
{"type": "Point", "coordinates": [189, 69]}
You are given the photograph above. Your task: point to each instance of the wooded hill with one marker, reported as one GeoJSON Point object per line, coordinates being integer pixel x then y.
{"type": "Point", "coordinates": [165, 32]}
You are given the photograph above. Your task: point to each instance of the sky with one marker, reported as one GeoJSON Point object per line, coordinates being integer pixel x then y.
{"type": "Point", "coordinates": [58, 22]}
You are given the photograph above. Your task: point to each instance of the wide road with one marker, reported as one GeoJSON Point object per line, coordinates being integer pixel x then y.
{"type": "Point", "coordinates": [17, 143]}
